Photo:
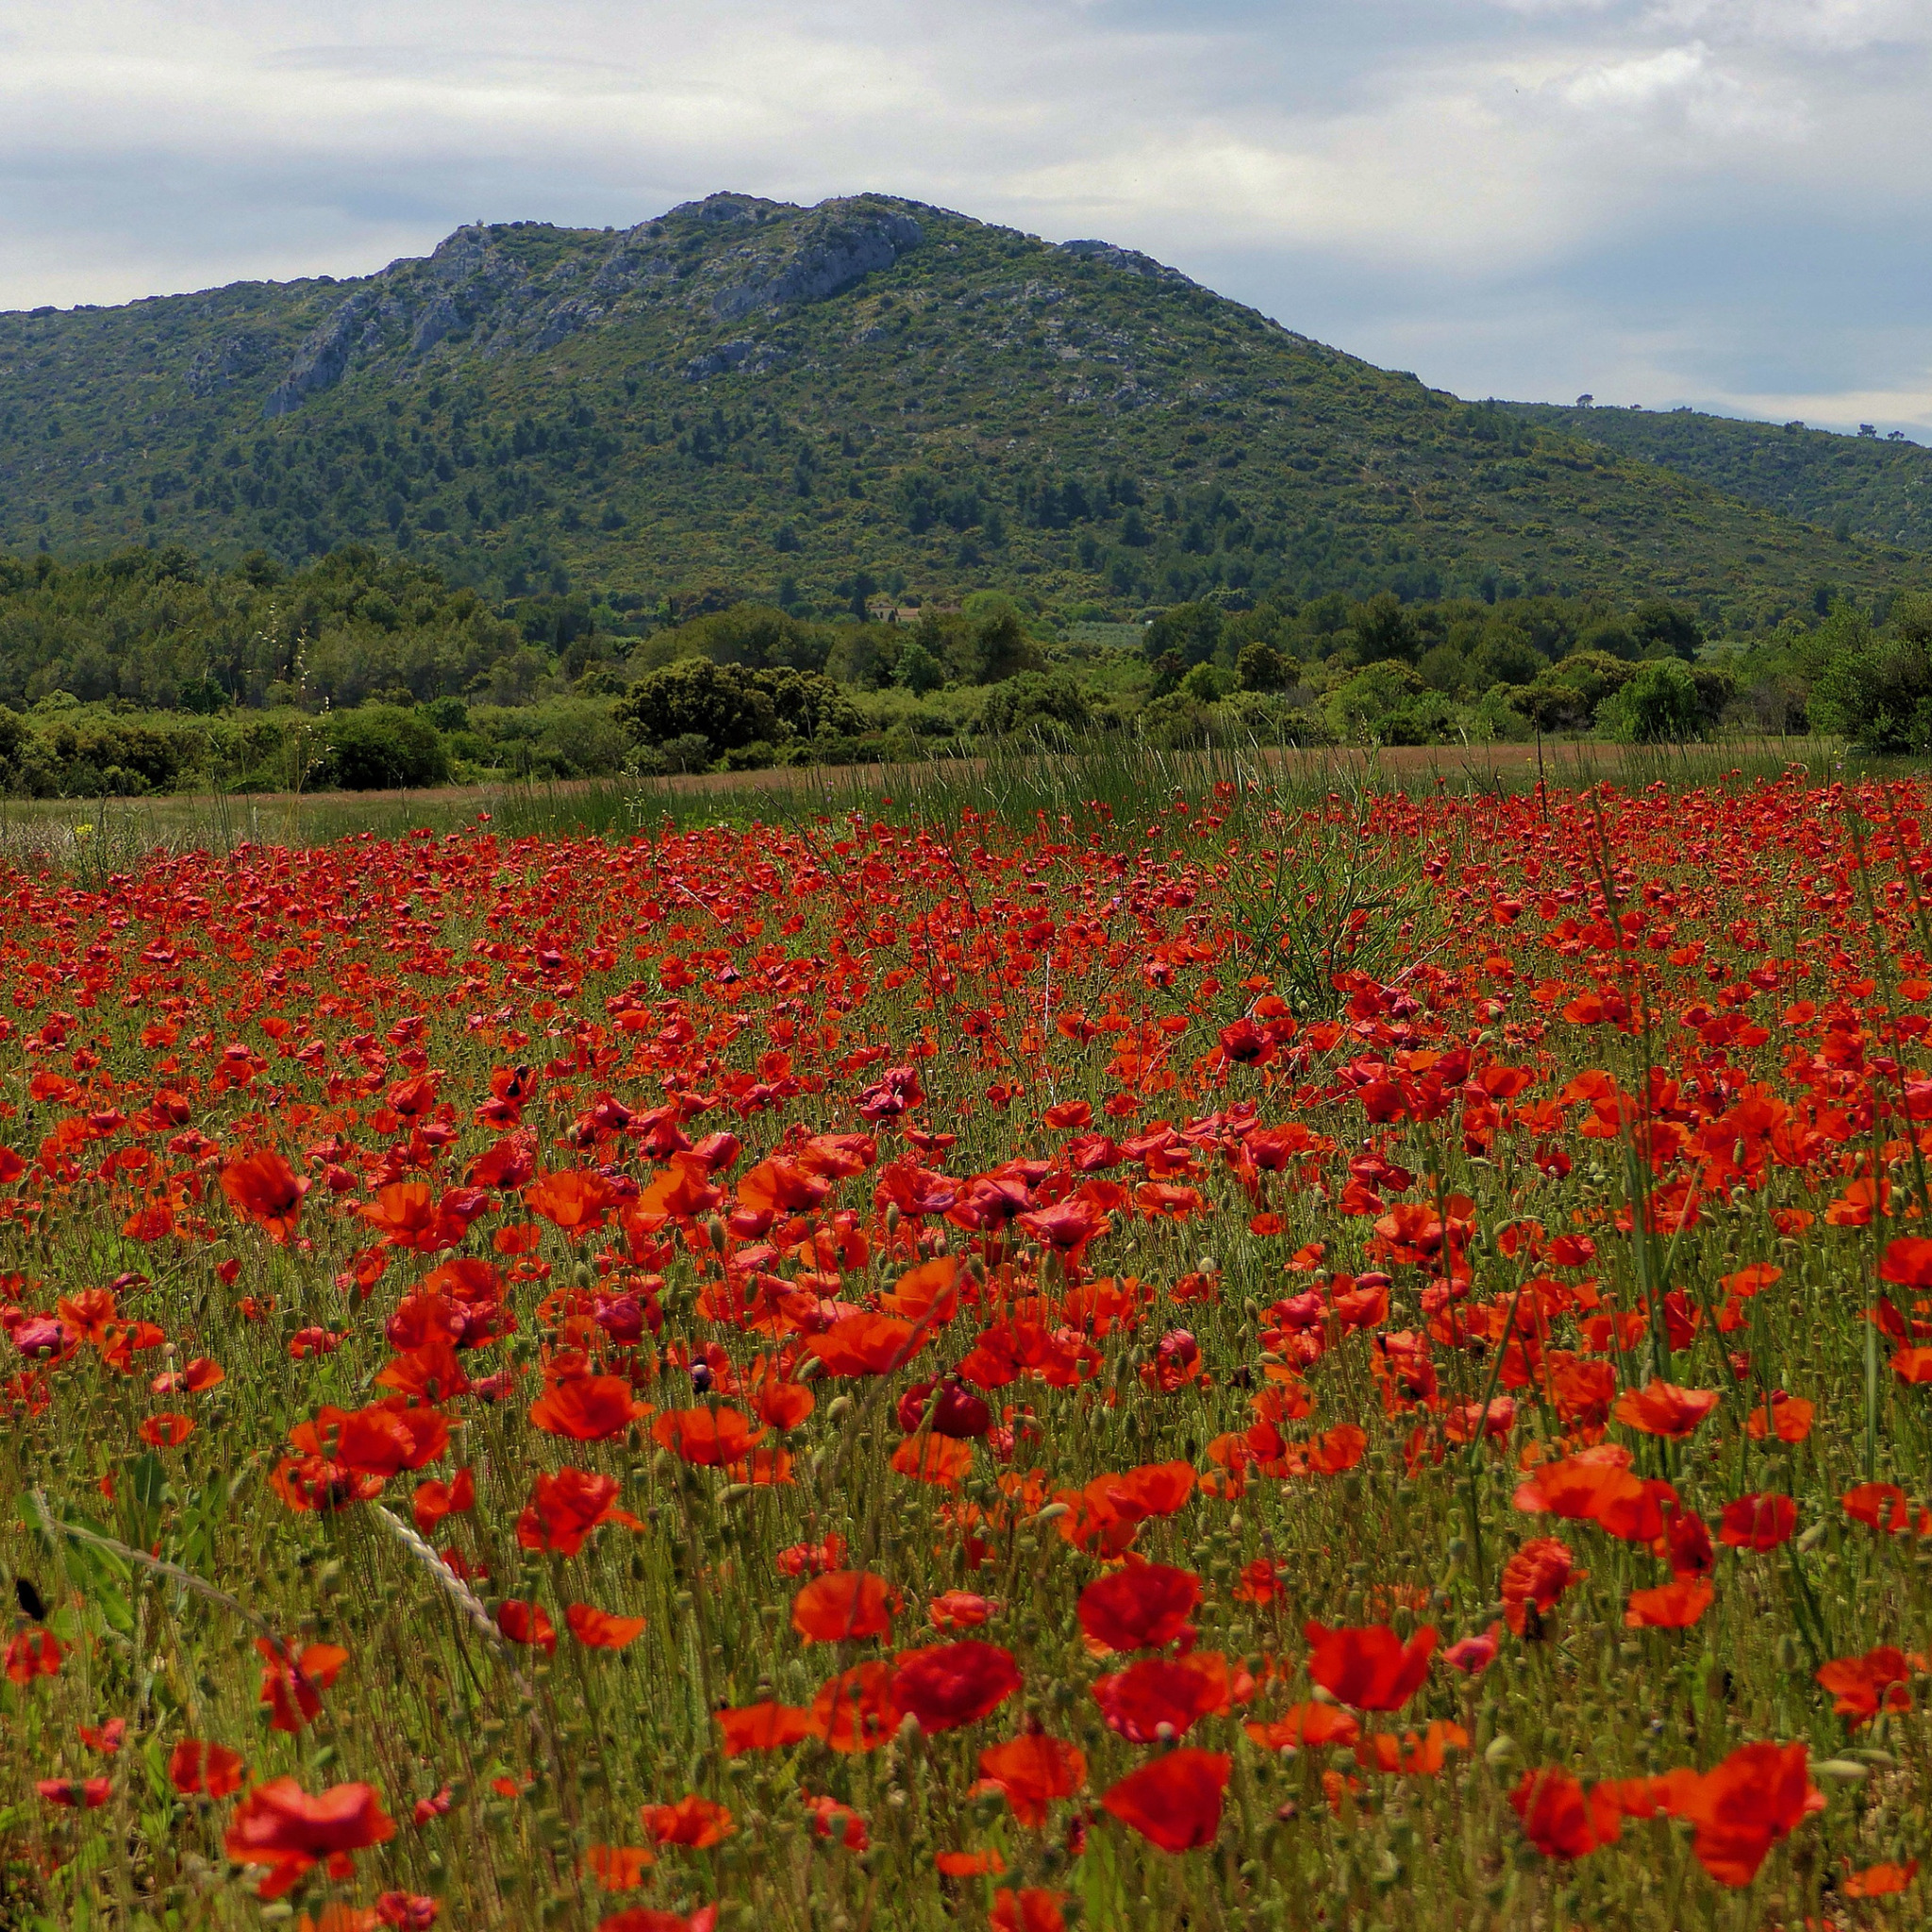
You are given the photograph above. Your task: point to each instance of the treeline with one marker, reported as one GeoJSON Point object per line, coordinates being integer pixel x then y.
{"type": "Point", "coordinates": [146, 671]}
{"type": "Point", "coordinates": [159, 630]}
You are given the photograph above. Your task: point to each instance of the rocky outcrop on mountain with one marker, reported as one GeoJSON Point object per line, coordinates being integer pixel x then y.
{"type": "Point", "coordinates": [482, 286]}
{"type": "Point", "coordinates": [1131, 260]}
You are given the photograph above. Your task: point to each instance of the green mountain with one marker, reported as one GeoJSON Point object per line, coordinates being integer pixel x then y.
{"type": "Point", "coordinates": [1876, 487]}
{"type": "Point", "coordinates": [746, 398]}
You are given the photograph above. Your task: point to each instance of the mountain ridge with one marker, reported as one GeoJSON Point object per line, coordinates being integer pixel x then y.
{"type": "Point", "coordinates": [744, 397]}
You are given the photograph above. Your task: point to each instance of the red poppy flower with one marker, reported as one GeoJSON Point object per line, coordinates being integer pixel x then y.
{"type": "Point", "coordinates": [165, 1431]}
{"type": "Point", "coordinates": [868, 1345]}
{"type": "Point", "coordinates": [1174, 1802]}
{"type": "Point", "coordinates": [1757, 1522]}
{"type": "Point", "coordinates": [1143, 1606]}
{"type": "Point", "coordinates": [588, 1409]}
{"type": "Point", "coordinates": [1555, 1818]}
{"type": "Point", "coordinates": [1674, 1605]}
{"type": "Point", "coordinates": [599, 1630]}
{"type": "Point", "coordinates": [1879, 1881]}
{"type": "Point", "coordinates": [266, 1192]}
{"type": "Point", "coordinates": [78, 1795]}
{"type": "Point", "coordinates": [434, 1500]}
{"type": "Point", "coordinates": [1742, 1807]}
{"type": "Point", "coordinates": [523, 1622]}
{"type": "Point", "coordinates": [954, 1684]}
{"type": "Point", "coordinates": [854, 1712]}
{"type": "Point", "coordinates": [959, 1609]}
{"type": "Point", "coordinates": [280, 1826]}
{"type": "Point", "coordinates": [694, 1821]}
{"type": "Point", "coordinates": [764, 1727]}
{"type": "Point", "coordinates": [1369, 1667]}
{"type": "Point", "coordinates": [1034, 1909]}
{"type": "Point", "coordinates": [574, 1200]}
{"type": "Point", "coordinates": [566, 1507]}
{"type": "Point", "coordinates": [31, 1654]}
{"type": "Point", "coordinates": [705, 1438]}
{"type": "Point", "coordinates": [618, 1868]}
{"type": "Point", "coordinates": [842, 1604]}
{"type": "Point", "coordinates": [1662, 1408]}
{"type": "Point", "coordinates": [648, 1919]}
{"type": "Point", "coordinates": [1306, 1725]}
{"type": "Point", "coordinates": [1030, 1772]}
{"type": "Point", "coordinates": [1864, 1686]}
{"type": "Point", "coordinates": [198, 1770]}
{"type": "Point", "coordinates": [292, 1681]}
{"type": "Point", "coordinates": [1537, 1575]}
{"type": "Point", "coordinates": [1159, 1699]}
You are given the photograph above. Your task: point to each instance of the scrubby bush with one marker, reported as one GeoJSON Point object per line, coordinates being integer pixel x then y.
{"type": "Point", "coordinates": [381, 747]}
{"type": "Point", "coordinates": [1035, 704]}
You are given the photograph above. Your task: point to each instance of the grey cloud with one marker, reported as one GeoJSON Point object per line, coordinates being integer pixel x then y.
{"type": "Point", "coordinates": [1490, 192]}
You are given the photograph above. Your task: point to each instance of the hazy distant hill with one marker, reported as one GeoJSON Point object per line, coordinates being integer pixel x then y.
{"type": "Point", "coordinates": [744, 397]}
{"type": "Point", "coordinates": [1872, 486]}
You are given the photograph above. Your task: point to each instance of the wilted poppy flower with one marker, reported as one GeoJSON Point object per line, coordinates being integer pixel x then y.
{"type": "Point", "coordinates": [280, 1826]}
{"type": "Point", "coordinates": [523, 1622]}
{"type": "Point", "coordinates": [198, 1770]}
{"type": "Point", "coordinates": [1030, 1772]}
{"type": "Point", "coordinates": [1674, 1605]}
{"type": "Point", "coordinates": [1864, 1686]}
{"type": "Point", "coordinates": [1742, 1806]}
{"type": "Point", "coordinates": [1535, 1578]}
{"type": "Point", "coordinates": [587, 1409]}
{"type": "Point", "coordinates": [694, 1821]}
{"type": "Point", "coordinates": [842, 1604]}
{"type": "Point", "coordinates": [1757, 1522]}
{"type": "Point", "coordinates": [1369, 1666]}
{"type": "Point", "coordinates": [764, 1727]}
{"type": "Point", "coordinates": [1143, 1606]}
{"type": "Point", "coordinates": [954, 1684]}
{"type": "Point", "coordinates": [705, 1438]}
{"type": "Point", "coordinates": [1174, 1802]}
{"type": "Point", "coordinates": [292, 1681]}
{"type": "Point", "coordinates": [266, 1192]}
{"type": "Point", "coordinates": [1662, 1408]}
{"type": "Point", "coordinates": [599, 1630]}
{"type": "Point", "coordinates": [1159, 1699]}
{"type": "Point", "coordinates": [854, 1712]}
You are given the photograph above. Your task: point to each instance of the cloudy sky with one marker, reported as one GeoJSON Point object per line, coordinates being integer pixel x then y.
{"type": "Point", "coordinates": [1720, 202]}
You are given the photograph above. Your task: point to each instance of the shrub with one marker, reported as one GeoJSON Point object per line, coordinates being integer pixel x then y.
{"type": "Point", "coordinates": [380, 747]}
{"type": "Point", "coordinates": [1661, 704]}
{"type": "Point", "coordinates": [1036, 702]}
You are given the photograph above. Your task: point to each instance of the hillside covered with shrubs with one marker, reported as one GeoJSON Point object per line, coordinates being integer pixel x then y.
{"type": "Point", "coordinates": [147, 672]}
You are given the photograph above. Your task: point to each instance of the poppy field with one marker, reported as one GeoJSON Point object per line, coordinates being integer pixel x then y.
{"type": "Point", "coordinates": [1354, 1360]}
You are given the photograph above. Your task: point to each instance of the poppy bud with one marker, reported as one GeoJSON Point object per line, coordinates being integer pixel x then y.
{"type": "Point", "coordinates": [1502, 1752]}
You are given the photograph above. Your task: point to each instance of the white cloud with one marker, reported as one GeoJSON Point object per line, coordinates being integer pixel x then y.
{"type": "Point", "coordinates": [1431, 180]}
